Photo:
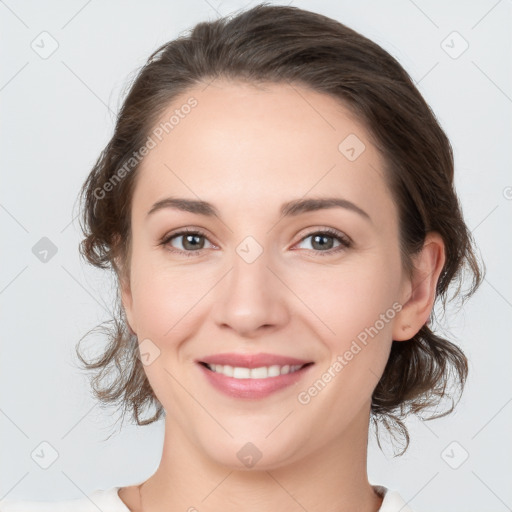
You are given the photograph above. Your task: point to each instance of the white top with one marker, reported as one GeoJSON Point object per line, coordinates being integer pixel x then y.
{"type": "Point", "coordinates": [109, 501]}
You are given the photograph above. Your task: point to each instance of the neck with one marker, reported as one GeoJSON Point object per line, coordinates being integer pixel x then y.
{"type": "Point", "coordinates": [332, 479]}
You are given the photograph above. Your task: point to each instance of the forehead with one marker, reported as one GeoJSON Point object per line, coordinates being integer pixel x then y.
{"type": "Point", "coordinates": [255, 144]}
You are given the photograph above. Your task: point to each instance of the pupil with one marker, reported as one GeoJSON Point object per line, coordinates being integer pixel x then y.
{"type": "Point", "coordinates": [322, 237]}
{"type": "Point", "coordinates": [188, 238]}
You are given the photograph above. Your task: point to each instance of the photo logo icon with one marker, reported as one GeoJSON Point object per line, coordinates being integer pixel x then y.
{"type": "Point", "coordinates": [44, 455]}
{"type": "Point", "coordinates": [249, 455]}
{"type": "Point", "coordinates": [249, 249]}
{"type": "Point", "coordinates": [455, 455]}
{"type": "Point", "coordinates": [351, 147]}
{"type": "Point", "coordinates": [44, 250]}
{"type": "Point", "coordinates": [454, 45]}
{"type": "Point", "coordinates": [148, 352]}
{"type": "Point", "coordinates": [45, 45]}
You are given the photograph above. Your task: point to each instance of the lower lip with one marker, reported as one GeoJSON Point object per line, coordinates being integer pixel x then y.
{"type": "Point", "coordinates": [251, 388]}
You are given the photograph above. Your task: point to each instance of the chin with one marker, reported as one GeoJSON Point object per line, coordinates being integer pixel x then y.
{"type": "Point", "coordinates": [253, 452]}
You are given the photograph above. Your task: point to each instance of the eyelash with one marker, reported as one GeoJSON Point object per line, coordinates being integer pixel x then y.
{"type": "Point", "coordinates": [344, 240]}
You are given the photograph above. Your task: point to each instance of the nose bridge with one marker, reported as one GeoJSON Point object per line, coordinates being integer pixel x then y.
{"type": "Point", "coordinates": [251, 297]}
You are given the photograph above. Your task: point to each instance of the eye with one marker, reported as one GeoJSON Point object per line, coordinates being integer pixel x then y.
{"type": "Point", "coordinates": [324, 241]}
{"type": "Point", "coordinates": [191, 242]}
{"type": "Point", "coordinates": [186, 241]}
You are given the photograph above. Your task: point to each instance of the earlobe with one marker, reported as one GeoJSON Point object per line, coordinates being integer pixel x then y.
{"type": "Point", "coordinates": [420, 292]}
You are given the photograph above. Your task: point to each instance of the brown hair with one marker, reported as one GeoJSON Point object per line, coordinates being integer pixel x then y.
{"type": "Point", "coordinates": [279, 44]}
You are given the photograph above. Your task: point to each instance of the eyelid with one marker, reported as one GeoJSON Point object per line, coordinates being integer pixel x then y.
{"type": "Point", "coordinates": [324, 230]}
{"type": "Point", "coordinates": [345, 241]}
{"type": "Point", "coordinates": [166, 239]}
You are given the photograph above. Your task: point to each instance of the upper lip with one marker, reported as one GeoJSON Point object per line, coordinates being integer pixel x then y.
{"type": "Point", "coordinates": [252, 360]}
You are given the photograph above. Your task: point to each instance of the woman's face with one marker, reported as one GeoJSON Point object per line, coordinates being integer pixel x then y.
{"type": "Point", "coordinates": [263, 285]}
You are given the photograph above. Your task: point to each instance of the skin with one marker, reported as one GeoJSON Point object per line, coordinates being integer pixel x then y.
{"type": "Point", "coordinates": [247, 150]}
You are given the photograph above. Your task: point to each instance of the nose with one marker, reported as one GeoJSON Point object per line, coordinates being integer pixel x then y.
{"type": "Point", "coordinates": [251, 300]}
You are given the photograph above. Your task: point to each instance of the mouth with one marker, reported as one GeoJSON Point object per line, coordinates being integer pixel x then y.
{"type": "Point", "coordinates": [262, 372]}
{"type": "Point", "coordinates": [252, 376]}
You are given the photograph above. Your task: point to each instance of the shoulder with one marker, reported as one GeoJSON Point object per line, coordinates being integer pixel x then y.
{"type": "Point", "coordinates": [392, 501]}
{"type": "Point", "coordinates": [105, 500]}
{"type": "Point", "coordinates": [109, 501]}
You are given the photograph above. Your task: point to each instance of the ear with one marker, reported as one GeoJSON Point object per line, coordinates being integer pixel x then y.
{"type": "Point", "coordinates": [419, 291]}
{"type": "Point", "coordinates": [127, 300]}
{"type": "Point", "coordinates": [126, 295]}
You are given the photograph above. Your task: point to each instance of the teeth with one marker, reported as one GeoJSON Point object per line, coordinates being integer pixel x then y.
{"type": "Point", "coordinates": [238, 373]}
{"type": "Point", "coordinates": [263, 372]}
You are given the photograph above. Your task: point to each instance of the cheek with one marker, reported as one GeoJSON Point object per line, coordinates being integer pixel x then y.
{"type": "Point", "coordinates": [169, 300]}
{"type": "Point", "coordinates": [165, 305]}
{"type": "Point", "coordinates": [163, 301]}
{"type": "Point", "coordinates": [349, 298]}
{"type": "Point", "coordinates": [357, 305]}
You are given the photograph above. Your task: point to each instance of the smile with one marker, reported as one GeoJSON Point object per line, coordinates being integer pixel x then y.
{"type": "Point", "coordinates": [252, 376]}
{"type": "Point", "coordinates": [263, 372]}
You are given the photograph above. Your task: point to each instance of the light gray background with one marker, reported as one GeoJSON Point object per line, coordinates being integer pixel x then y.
{"type": "Point", "coordinates": [58, 113]}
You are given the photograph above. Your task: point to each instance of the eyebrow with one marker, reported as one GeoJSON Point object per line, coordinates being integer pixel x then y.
{"type": "Point", "coordinates": [288, 209]}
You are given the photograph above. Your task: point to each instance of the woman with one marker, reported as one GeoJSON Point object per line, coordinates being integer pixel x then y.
{"type": "Point", "coordinates": [277, 202]}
